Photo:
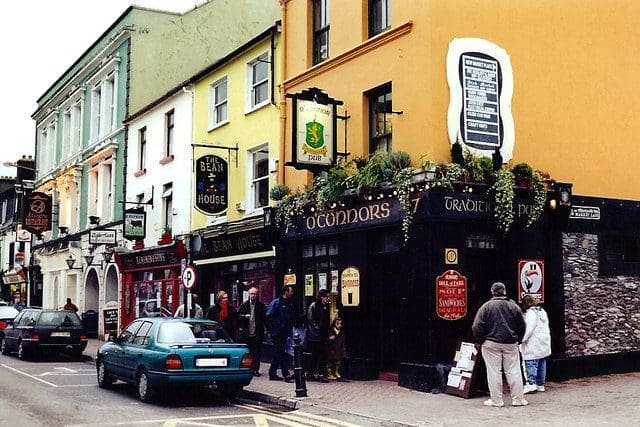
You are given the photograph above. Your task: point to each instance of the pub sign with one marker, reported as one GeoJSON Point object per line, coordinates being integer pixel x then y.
{"type": "Point", "coordinates": [135, 224]}
{"type": "Point", "coordinates": [212, 190]}
{"type": "Point", "coordinates": [36, 215]}
{"type": "Point", "coordinates": [451, 295]}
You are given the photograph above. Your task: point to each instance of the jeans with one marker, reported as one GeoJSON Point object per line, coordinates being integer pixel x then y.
{"type": "Point", "coordinates": [280, 358]}
{"type": "Point", "coordinates": [536, 371]}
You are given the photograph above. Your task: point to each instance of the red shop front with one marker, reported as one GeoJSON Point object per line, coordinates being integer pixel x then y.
{"type": "Point", "coordinates": [151, 284]}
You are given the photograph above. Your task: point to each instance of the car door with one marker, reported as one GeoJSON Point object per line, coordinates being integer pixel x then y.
{"type": "Point", "coordinates": [114, 354]}
{"type": "Point", "coordinates": [134, 350]}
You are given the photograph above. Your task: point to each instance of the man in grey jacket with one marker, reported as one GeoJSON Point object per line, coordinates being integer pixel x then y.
{"type": "Point", "coordinates": [499, 326]}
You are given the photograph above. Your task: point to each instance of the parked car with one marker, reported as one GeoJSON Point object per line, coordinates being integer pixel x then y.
{"type": "Point", "coordinates": [35, 331]}
{"type": "Point", "coordinates": [7, 314]}
{"type": "Point", "coordinates": [155, 353]}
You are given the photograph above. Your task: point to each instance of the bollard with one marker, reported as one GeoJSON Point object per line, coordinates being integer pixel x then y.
{"type": "Point", "coordinates": [298, 370]}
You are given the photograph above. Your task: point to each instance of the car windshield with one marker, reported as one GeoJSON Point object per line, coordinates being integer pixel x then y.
{"type": "Point", "coordinates": [58, 318]}
{"type": "Point", "coordinates": [175, 332]}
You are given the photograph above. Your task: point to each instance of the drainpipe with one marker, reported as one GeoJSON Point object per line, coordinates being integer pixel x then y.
{"type": "Point", "coordinates": [282, 91]}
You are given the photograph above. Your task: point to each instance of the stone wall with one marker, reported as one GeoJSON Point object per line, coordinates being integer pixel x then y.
{"type": "Point", "coordinates": [602, 314]}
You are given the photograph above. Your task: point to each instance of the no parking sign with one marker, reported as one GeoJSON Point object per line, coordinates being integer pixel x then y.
{"type": "Point", "coordinates": [531, 279]}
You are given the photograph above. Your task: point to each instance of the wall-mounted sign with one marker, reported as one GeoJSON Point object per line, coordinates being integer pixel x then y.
{"type": "Point", "coordinates": [450, 256]}
{"type": "Point", "coordinates": [102, 237]}
{"type": "Point", "coordinates": [350, 287]}
{"type": "Point", "coordinates": [244, 242]}
{"type": "Point", "coordinates": [585, 212]}
{"type": "Point", "coordinates": [451, 295]}
{"type": "Point", "coordinates": [135, 224]}
{"type": "Point", "coordinates": [212, 191]}
{"type": "Point", "coordinates": [313, 136]}
{"type": "Point", "coordinates": [481, 86]}
{"type": "Point", "coordinates": [289, 279]}
{"type": "Point", "coordinates": [531, 279]}
{"type": "Point", "coordinates": [36, 214]}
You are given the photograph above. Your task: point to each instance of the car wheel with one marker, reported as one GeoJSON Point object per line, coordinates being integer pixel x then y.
{"type": "Point", "coordinates": [104, 379]}
{"type": "Point", "coordinates": [3, 347]}
{"type": "Point", "coordinates": [22, 354]}
{"type": "Point", "coordinates": [145, 391]}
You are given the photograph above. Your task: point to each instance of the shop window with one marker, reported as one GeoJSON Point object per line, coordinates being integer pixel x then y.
{"type": "Point", "coordinates": [319, 266]}
{"type": "Point", "coordinates": [320, 31]}
{"type": "Point", "coordinates": [620, 255]}
{"type": "Point", "coordinates": [481, 241]}
{"type": "Point", "coordinates": [379, 16]}
{"type": "Point", "coordinates": [380, 119]}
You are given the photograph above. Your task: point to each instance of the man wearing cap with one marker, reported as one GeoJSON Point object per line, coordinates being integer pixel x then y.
{"type": "Point", "coordinates": [499, 326]}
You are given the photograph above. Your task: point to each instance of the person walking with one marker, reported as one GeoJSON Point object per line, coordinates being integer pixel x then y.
{"type": "Point", "coordinates": [196, 311]}
{"type": "Point", "coordinates": [318, 336]}
{"type": "Point", "coordinates": [536, 344]}
{"type": "Point", "coordinates": [224, 313]}
{"type": "Point", "coordinates": [280, 314]}
{"type": "Point", "coordinates": [499, 327]}
{"type": "Point", "coordinates": [253, 312]}
{"type": "Point", "coordinates": [70, 306]}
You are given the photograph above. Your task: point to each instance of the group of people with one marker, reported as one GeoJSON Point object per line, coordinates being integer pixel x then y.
{"type": "Point", "coordinates": [325, 340]}
{"type": "Point", "coordinates": [505, 332]}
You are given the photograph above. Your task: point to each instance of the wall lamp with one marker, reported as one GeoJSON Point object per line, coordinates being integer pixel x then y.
{"type": "Point", "coordinates": [106, 255]}
{"type": "Point", "coordinates": [70, 262]}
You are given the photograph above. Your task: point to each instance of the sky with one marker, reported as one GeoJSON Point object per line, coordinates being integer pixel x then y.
{"type": "Point", "coordinates": [40, 40]}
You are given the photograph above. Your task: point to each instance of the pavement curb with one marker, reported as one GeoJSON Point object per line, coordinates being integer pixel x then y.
{"type": "Point", "coordinates": [284, 401]}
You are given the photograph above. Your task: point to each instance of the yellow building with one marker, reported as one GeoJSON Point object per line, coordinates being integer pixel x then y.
{"type": "Point", "coordinates": [235, 151]}
{"type": "Point", "coordinates": [546, 83]}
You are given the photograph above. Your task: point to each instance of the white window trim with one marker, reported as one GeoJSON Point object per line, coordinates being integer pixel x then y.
{"type": "Point", "coordinates": [212, 106]}
{"type": "Point", "coordinates": [250, 86]}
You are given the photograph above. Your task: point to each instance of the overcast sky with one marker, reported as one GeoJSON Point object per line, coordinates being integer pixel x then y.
{"type": "Point", "coordinates": [40, 39]}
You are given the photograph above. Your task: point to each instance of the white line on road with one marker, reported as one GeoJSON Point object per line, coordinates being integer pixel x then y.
{"type": "Point", "coordinates": [28, 375]}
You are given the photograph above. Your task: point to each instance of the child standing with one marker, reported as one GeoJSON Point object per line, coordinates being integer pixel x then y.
{"type": "Point", "coordinates": [336, 349]}
{"type": "Point", "coordinates": [536, 344]}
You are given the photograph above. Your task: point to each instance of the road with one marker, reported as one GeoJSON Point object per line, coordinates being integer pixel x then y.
{"type": "Point", "coordinates": [57, 391]}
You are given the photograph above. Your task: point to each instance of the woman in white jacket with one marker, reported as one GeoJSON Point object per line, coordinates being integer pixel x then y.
{"type": "Point", "coordinates": [536, 344]}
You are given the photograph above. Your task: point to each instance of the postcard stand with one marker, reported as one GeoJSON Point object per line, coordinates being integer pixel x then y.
{"type": "Point", "coordinates": [464, 370]}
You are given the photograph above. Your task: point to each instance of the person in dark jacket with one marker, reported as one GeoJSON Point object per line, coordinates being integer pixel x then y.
{"type": "Point", "coordinates": [499, 326]}
{"type": "Point", "coordinates": [318, 336]}
{"type": "Point", "coordinates": [224, 313]}
{"type": "Point", "coordinates": [280, 316]}
{"type": "Point", "coordinates": [336, 350]}
{"type": "Point", "coordinates": [252, 313]}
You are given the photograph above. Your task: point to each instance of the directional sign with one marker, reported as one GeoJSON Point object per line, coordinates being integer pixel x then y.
{"type": "Point", "coordinates": [189, 277]}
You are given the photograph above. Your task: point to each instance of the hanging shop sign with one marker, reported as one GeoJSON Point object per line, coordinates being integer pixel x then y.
{"type": "Point", "coordinates": [531, 279]}
{"type": "Point", "coordinates": [102, 237]}
{"type": "Point", "coordinates": [451, 295]}
{"type": "Point", "coordinates": [212, 191]}
{"type": "Point", "coordinates": [480, 81]}
{"type": "Point", "coordinates": [36, 215]}
{"type": "Point", "coordinates": [350, 287]}
{"type": "Point", "coordinates": [135, 224]}
{"type": "Point", "coordinates": [313, 137]}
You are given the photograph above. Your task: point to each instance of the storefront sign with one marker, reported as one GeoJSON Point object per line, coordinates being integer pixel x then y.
{"type": "Point", "coordinates": [36, 215]}
{"type": "Point", "coordinates": [585, 212]}
{"type": "Point", "coordinates": [135, 224]}
{"type": "Point", "coordinates": [235, 244]}
{"type": "Point", "coordinates": [481, 87]}
{"type": "Point", "coordinates": [102, 237]}
{"type": "Point", "coordinates": [531, 279]}
{"type": "Point", "coordinates": [350, 287]}
{"type": "Point", "coordinates": [212, 191]}
{"type": "Point", "coordinates": [313, 137]}
{"type": "Point", "coordinates": [451, 295]}
{"type": "Point", "coordinates": [148, 258]}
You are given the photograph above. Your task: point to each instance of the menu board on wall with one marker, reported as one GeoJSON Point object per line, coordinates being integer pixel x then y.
{"type": "Point", "coordinates": [464, 370]}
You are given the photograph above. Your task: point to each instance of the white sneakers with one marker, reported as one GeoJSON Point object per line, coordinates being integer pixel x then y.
{"type": "Point", "coordinates": [521, 403]}
{"type": "Point", "coordinates": [529, 388]}
{"type": "Point", "coordinates": [490, 402]}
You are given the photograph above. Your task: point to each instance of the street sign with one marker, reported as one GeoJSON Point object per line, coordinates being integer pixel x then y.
{"type": "Point", "coordinates": [189, 277]}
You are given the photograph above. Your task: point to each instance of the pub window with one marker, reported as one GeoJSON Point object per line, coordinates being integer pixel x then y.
{"type": "Point", "coordinates": [481, 241]}
{"type": "Point", "coordinates": [620, 255]}
{"type": "Point", "coordinates": [320, 31]}
{"type": "Point", "coordinates": [380, 119]}
{"type": "Point", "coordinates": [319, 259]}
{"type": "Point", "coordinates": [379, 16]}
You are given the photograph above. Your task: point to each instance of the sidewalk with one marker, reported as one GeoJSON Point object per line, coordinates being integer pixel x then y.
{"type": "Point", "coordinates": [605, 400]}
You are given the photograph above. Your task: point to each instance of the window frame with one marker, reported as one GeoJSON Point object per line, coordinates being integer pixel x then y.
{"type": "Point", "coordinates": [379, 16]}
{"type": "Point", "coordinates": [252, 84]}
{"type": "Point", "coordinates": [167, 206]}
{"type": "Point", "coordinates": [216, 106]}
{"type": "Point", "coordinates": [255, 184]}
{"type": "Point", "coordinates": [142, 148]}
{"type": "Point", "coordinates": [169, 132]}
{"type": "Point", "coordinates": [380, 141]}
{"type": "Point", "coordinates": [320, 29]}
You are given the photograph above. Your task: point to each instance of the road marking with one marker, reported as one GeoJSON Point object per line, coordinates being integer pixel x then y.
{"type": "Point", "coordinates": [30, 376]}
{"type": "Point", "coordinates": [298, 416]}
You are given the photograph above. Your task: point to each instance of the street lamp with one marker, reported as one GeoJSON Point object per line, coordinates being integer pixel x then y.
{"type": "Point", "coordinates": [16, 165]}
{"type": "Point", "coordinates": [70, 262]}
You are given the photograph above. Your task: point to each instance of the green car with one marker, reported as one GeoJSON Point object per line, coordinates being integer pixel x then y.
{"type": "Point", "coordinates": [156, 353]}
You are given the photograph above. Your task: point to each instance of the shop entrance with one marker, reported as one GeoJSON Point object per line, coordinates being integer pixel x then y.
{"type": "Point", "coordinates": [388, 302]}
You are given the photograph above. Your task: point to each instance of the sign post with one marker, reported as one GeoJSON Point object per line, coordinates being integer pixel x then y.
{"type": "Point", "coordinates": [189, 278]}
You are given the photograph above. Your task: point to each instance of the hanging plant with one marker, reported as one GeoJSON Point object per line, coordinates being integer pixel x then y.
{"type": "Point", "coordinates": [539, 198]}
{"type": "Point", "coordinates": [402, 181]}
{"type": "Point", "coordinates": [503, 195]}
{"type": "Point", "coordinates": [278, 192]}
